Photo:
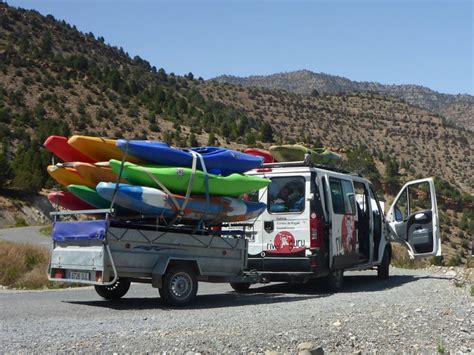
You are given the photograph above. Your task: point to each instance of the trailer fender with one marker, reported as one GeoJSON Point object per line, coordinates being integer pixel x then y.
{"type": "Point", "coordinates": [164, 264]}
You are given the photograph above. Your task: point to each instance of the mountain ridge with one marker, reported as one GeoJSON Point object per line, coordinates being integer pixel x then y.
{"type": "Point", "coordinates": [457, 108]}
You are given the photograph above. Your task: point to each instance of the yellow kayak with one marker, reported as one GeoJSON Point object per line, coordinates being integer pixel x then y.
{"type": "Point", "coordinates": [99, 149]}
{"type": "Point", "coordinates": [66, 175]}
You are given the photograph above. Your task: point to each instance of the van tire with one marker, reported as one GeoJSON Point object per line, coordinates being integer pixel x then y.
{"type": "Point", "coordinates": [179, 286]}
{"type": "Point", "coordinates": [113, 292]}
{"type": "Point", "coordinates": [240, 286]}
{"type": "Point", "coordinates": [383, 270]}
{"type": "Point", "coordinates": [335, 280]}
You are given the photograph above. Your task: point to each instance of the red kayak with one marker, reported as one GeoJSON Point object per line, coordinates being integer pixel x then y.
{"type": "Point", "coordinates": [68, 201]}
{"type": "Point", "coordinates": [267, 157]}
{"type": "Point", "coordinates": [59, 146]}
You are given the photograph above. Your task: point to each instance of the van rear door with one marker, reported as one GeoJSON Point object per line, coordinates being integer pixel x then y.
{"type": "Point", "coordinates": [413, 219]}
{"type": "Point", "coordinates": [285, 232]}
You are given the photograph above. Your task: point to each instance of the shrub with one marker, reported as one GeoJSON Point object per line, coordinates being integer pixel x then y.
{"type": "Point", "coordinates": [455, 260]}
{"type": "Point", "coordinates": [23, 265]}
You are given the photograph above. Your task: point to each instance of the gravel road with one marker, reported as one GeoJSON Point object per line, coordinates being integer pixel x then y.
{"type": "Point", "coordinates": [413, 311]}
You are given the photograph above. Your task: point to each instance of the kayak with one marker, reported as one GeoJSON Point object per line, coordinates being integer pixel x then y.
{"type": "Point", "coordinates": [93, 174]}
{"type": "Point", "coordinates": [177, 179]}
{"type": "Point", "coordinates": [151, 201]}
{"type": "Point", "coordinates": [67, 201]}
{"type": "Point", "coordinates": [217, 160]}
{"type": "Point", "coordinates": [91, 197]}
{"type": "Point", "coordinates": [59, 146]}
{"type": "Point", "coordinates": [296, 152]}
{"type": "Point", "coordinates": [99, 149]}
{"type": "Point", "coordinates": [265, 154]}
{"type": "Point", "coordinates": [66, 175]}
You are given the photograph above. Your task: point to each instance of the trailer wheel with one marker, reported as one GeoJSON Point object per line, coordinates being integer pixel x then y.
{"type": "Point", "coordinates": [384, 267]}
{"type": "Point", "coordinates": [113, 292]}
{"type": "Point", "coordinates": [335, 280]}
{"type": "Point", "coordinates": [240, 286]}
{"type": "Point", "coordinates": [179, 286]}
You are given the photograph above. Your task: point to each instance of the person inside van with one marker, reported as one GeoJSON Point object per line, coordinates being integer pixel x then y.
{"type": "Point", "coordinates": [290, 198]}
{"type": "Point", "coordinates": [280, 202]}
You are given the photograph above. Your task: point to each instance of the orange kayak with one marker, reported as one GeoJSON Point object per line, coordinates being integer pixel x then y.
{"type": "Point", "coordinates": [99, 149]}
{"type": "Point", "coordinates": [94, 174]}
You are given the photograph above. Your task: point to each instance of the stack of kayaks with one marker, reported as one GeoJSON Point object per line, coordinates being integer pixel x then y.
{"type": "Point", "coordinates": [155, 179]}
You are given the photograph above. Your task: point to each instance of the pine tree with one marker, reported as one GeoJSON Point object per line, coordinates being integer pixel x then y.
{"type": "Point", "coordinates": [212, 139]}
{"type": "Point", "coordinates": [267, 132]}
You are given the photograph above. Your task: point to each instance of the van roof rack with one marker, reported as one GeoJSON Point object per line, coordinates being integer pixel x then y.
{"type": "Point", "coordinates": [308, 163]}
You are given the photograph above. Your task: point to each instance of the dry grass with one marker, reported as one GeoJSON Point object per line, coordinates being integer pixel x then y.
{"type": "Point", "coordinates": [23, 265]}
{"type": "Point", "coordinates": [400, 258]}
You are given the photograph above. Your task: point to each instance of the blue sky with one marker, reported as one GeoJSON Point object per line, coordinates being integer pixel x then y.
{"type": "Point", "coordinates": [421, 42]}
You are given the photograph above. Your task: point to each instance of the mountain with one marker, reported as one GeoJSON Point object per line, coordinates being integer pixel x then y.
{"type": "Point", "coordinates": [57, 80]}
{"type": "Point", "coordinates": [459, 109]}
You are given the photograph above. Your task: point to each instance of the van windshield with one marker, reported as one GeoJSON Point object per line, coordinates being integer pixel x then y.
{"type": "Point", "coordinates": [286, 194]}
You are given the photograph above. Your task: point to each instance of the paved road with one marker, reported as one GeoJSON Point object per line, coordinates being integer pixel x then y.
{"type": "Point", "coordinates": [25, 235]}
{"type": "Point", "coordinates": [413, 311]}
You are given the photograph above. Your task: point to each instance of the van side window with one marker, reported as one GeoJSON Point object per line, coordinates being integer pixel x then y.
{"type": "Point", "coordinates": [286, 194]}
{"type": "Point", "coordinates": [336, 196]}
{"type": "Point", "coordinates": [349, 197]}
{"type": "Point", "coordinates": [342, 195]}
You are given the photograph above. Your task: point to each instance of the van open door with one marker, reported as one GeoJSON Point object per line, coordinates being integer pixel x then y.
{"type": "Point", "coordinates": [413, 219]}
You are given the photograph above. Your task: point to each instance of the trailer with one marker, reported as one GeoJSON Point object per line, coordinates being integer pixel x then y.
{"type": "Point", "coordinates": [111, 254]}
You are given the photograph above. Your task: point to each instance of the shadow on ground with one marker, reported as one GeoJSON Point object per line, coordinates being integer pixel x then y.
{"type": "Point", "coordinates": [267, 294]}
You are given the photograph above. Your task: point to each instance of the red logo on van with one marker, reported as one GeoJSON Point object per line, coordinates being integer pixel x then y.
{"type": "Point", "coordinates": [348, 234]}
{"type": "Point", "coordinates": [284, 243]}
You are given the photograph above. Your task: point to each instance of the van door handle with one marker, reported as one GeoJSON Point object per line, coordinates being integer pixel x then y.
{"type": "Point", "coordinates": [268, 226]}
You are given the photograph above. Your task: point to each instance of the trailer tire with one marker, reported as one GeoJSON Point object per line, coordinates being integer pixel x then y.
{"type": "Point", "coordinates": [335, 280]}
{"type": "Point", "coordinates": [383, 270]}
{"type": "Point", "coordinates": [113, 292]}
{"type": "Point", "coordinates": [179, 286]}
{"type": "Point", "coordinates": [240, 286]}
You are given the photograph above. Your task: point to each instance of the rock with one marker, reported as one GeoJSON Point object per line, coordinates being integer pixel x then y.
{"type": "Point", "coordinates": [308, 348]}
{"type": "Point", "coordinates": [337, 324]}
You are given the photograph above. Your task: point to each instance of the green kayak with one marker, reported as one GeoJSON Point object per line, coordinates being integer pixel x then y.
{"type": "Point", "coordinates": [91, 196]}
{"type": "Point", "coordinates": [296, 152]}
{"type": "Point", "coordinates": [177, 179]}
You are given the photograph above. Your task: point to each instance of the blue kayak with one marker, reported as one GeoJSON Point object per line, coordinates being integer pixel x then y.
{"type": "Point", "coordinates": [151, 201]}
{"type": "Point", "coordinates": [219, 161]}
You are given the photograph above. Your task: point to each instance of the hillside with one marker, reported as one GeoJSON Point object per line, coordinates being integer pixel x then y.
{"type": "Point", "coordinates": [458, 109]}
{"type": "Point", "coordinates": [56, 80]}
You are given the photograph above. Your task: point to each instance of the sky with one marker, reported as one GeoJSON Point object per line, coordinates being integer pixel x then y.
{"type": "Point", "coordinates": [424, 42]}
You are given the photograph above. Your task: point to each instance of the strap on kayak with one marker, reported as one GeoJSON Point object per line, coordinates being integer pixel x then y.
{"type": "Point", "coordinates": [119, 178]}
{"type": "Point", "coordinates": [206, 184]}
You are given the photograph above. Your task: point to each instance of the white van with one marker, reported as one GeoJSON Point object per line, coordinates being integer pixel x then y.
{"type": "Point", "coordinates": [321, 221]}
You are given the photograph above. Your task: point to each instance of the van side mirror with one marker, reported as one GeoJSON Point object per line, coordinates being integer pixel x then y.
{"type": "Point", "coordinates": [310, 197]}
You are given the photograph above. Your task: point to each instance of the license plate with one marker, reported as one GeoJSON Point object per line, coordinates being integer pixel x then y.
{"type": "Point", "coordinates": [79, 275]}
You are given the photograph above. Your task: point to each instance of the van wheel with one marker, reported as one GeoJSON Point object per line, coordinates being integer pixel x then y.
{"type": "Point", "coordinates": [335, 280]}
{"type": "Point", "coordinates": [113, 292]}
{"type": "Point", "coordinates": [179, 286]}
{"type": "Point", "coordinates": [383, 268]}
{"type": "Point", "coordinates": [240, 286]}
